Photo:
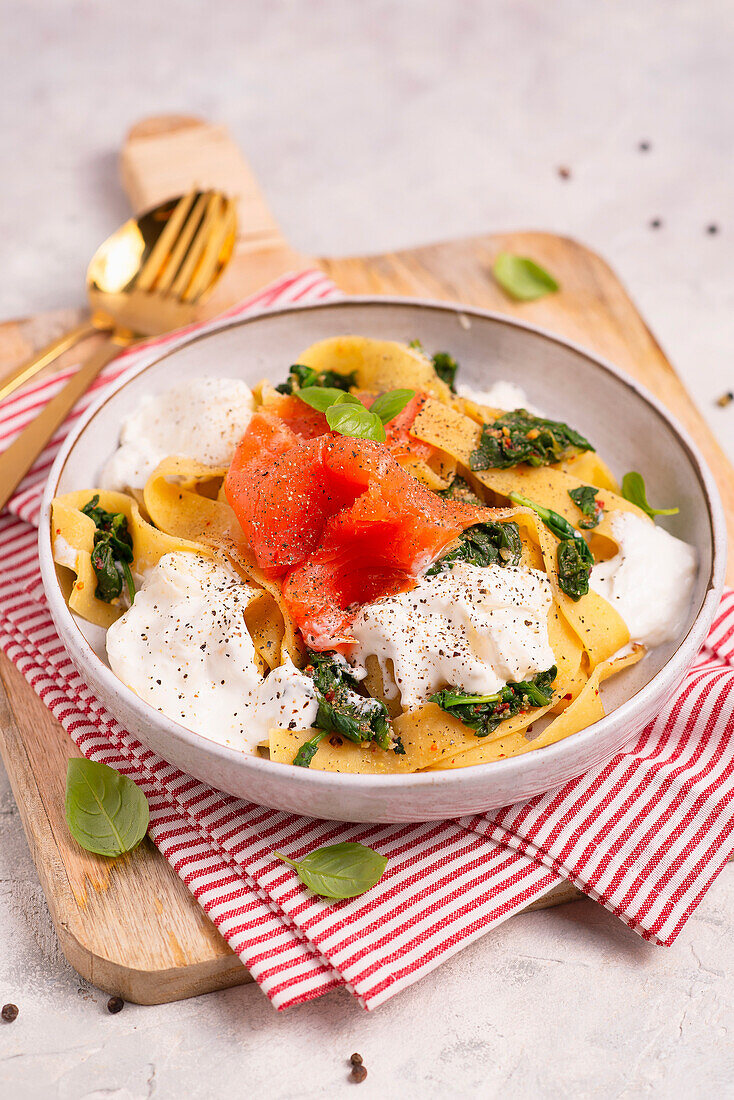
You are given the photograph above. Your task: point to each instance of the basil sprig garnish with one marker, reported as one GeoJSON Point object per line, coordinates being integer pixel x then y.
{"type": "Point", "coordinates": [484, 713]}
{"type": "Point", "coordinates": [575, 559]}
{"type": "Point", "coordinates": [301, 376]}
{"type": "Point", "coordinates": [112, 553]}
{"type": "Point", "coordinates": [522, 278]}
{"type": "Point", "coordinates": [346, 414]}
{"type": "Point", "coordinates": [483, 544]}
{"type": "Point", "coordinates": [322, 397]}
{"type": "Point", "coordinates": [585, 498]}
{"type": "Point", "coordinates": [339, 871]}
{"type": "Point", "coordinates": [633, 490]}
{"type": "Point", "coordinates": [355, 421]}
{"type": "Point", "coordinates": [519, 436]}
{"type": "Point", "coordinates": [105, 811]}
{"type": "Point", "coordinates": [342, 710]}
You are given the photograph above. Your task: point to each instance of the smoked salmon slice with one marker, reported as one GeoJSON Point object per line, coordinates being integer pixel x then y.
{"type": "Point", "coordinates": [338, 520]}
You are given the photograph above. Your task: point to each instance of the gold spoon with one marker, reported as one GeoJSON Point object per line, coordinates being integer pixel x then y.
{"type": "Point", "coordinates": [150, 275]}
{"type": "Point", "coordinates": [146, 279]}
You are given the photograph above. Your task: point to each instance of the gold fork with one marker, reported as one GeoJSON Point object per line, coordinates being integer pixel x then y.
{"type": "Point", "coordinates": [148, 278]}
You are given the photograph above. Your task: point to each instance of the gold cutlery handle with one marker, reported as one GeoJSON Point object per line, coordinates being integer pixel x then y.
{"type": "Point", "coordinates": [17, 460]}
{"type": "Point", "coordinates": [41, 359]}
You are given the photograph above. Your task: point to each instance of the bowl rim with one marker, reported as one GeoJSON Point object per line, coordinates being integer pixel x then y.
{"type": "Point", "coordinates": [665, 680]}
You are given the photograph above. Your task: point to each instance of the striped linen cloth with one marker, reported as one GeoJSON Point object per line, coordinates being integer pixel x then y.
{"type": "Point", "coordinates": [645, 836]}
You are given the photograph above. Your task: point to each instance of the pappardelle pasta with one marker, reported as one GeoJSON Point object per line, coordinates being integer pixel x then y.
{"type": "Point", "coordinates": [367, 567]}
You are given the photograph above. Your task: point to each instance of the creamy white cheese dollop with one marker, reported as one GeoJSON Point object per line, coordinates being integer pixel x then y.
{"type": "Point", "coordinates": [471, 627]}
{"type": "Point", "coordinates": [203, 419]}
{"type": "Point", "coordinates": [64, 552]}
{"type": "Point", "coordinates": [500, 395]}
{"type": "Point", "coordinates": [184, 648]}
{"type": "Point", "coordinates": [650, 581]}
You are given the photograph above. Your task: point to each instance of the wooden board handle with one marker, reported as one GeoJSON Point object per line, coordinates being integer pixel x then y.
{"type": "Point", "coordinates": [167, 155]}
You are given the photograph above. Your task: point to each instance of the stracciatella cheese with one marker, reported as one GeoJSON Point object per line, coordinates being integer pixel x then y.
{"type": "Point", "coordinates": [203, 419]}
{"type": "Point", "coordinates": [649, 581]}
{"type": "Point", "coordinates": [184, 648]}
{"type": "Point", "coordinates": [469, 627]}
{"type": "Point", "coordinates": [500, 395]}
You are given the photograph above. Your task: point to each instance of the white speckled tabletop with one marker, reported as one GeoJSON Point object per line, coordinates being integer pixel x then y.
{"type": "Point", "coordinates": [371, 126]}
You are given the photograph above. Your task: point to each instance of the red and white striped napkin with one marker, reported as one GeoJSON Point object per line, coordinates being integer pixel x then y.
{"type": "Point", "coordinates": [645, 836]}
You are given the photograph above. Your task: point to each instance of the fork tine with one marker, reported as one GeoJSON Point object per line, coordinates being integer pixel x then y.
{"type": "Point", "coordinates": [162, 246]}
{"type": "Point", "coordinates": [203, 277]}
{"type": "Point", "coordinates": [182, 244]}
{"type": "Point", "coordinates": [188, 267]}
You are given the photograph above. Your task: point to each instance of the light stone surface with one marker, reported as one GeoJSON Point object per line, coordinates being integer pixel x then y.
{"type": "Point", "coordinates": [376, 125]}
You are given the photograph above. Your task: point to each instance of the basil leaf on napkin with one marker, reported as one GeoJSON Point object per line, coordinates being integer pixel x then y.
{"type": "Point", "coordinates": [522, 278]}
{"type": "Point", "coordinates": [105, 811]}
{"type": "Point", "coordinates": [633, 490]}
{"type": "Point", "coordinates": [339, 871]}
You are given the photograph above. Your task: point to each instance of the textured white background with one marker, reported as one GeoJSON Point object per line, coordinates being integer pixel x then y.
{"type": "Point", "coordinates": [373, 125]}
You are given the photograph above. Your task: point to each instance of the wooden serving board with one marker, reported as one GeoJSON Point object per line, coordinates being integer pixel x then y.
{"type": "Point", "coordinates": [130, 926]}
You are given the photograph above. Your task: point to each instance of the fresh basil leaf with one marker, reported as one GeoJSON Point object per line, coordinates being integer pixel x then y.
{"type": "Point", "coordinates": [347, 399]}
{"type": "Point", "coordinates": [355, 420]}
{"type": "Point", "coordinates": [522, 278]}
{"type": "Point", "coordinates": [389, 404]}
{"type": "Point", "coordinates": [339, 870]}
{"type": "Point", "coordinates": [105, 811]}
{"type": "Point", "coordinates": [319, 397]}
{"type": "Point", "coordinates": [633, 490]}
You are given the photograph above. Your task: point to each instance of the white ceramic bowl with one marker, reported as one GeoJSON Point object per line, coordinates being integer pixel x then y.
{"type": "Point", "coordinates": [628, 426]}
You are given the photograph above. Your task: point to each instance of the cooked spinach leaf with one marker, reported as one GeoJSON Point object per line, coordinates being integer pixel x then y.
{"type": "Point", "coordinates": [575, 559]}
{"type": "Point", "coordinates": [483, 544]}
{"type": "Point", "coordinates": [574, 569]}
{"type": "Point", "coordinates": [633, 490]}
{"type": "Point", "coordinates": [519, 436]}
{"type": "Point", "coordinates": [462, 491]}
{"type": "Point", "coordinates": [444, 364]}
{"type": "Point", "coordinates": [585, 498]}
{"type": "Point", "coordinates": [484, 713]}
{"type": "Point", "coordinates": [300, 377]}
{"type": "Point", "coordinates": [446, 367]}
{"type": "Point", "coordinates": [342, 711]}
{"type": "Point", "coordinates": [112, 553]}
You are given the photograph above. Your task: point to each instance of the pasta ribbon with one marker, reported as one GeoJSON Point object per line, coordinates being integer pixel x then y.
{"type": "Point", "coordinates": [72, 534]}
{"type": "Point", "coordinates": [376, 364]}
